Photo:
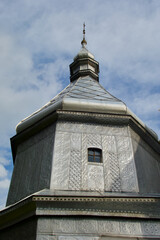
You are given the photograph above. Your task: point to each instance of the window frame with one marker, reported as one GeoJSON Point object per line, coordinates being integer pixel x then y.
{"type": "Point", "coordinates": [94, 155]}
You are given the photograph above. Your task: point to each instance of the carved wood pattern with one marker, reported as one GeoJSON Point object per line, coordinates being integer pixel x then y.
{"type": "Point", "coordinates": [115, 181]}
{"type": "Point", "coordinates": [92, 128]}
{"type": "Point", "coordinates": [111, 165]}
{"type": "Point", "coordinates": [126, 161]}
{"type": "Point", "coordinates": [105, 163]}
{"type": "Point", "coordinates": [94, 140]}
{"type": "Point", "coordinates": [119, 170]}
{"type": "Point", "coordinates": [79, 227]}
{"type": "Point", "coordinates": [84, 162]}
{"type": "Point", "coordinates": [60, 171]}
{"type": "Point", "coordinates": [95, 178]}
{"type": "Point", "coordinates": [75, 170]}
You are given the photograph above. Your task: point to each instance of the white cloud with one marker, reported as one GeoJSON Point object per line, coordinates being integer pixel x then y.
{"type": "Point", "coordinates": [144, 104]}
{"type": "Point", "coordinates": [3, 172]}
{"type": "Point", "coordinates": [4, 184]}
{"type": "Point", "coordinates": [3, 196]}
{"type": "Point", "coordinates": [4, 161]}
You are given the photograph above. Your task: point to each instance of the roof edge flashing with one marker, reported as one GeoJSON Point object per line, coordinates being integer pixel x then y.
{"type": "Point", "coordinates": [84, 106]}
{"type": "Point", "coordinates": [129, 112]}
{"type": "Point", "coordinates": [91, 106]}
{"type": "Point", "coordinates": [32, 119]}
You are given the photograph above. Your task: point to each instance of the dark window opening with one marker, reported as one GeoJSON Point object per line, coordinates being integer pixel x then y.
{"type": "Point", "coordinates": [94, 155]}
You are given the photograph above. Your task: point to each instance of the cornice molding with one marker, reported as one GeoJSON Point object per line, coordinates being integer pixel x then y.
{"type": "Point", "coordinates": [36, 205]}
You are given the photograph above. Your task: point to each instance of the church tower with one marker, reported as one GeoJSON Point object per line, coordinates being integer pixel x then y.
{"type": "Point", "coordinates": [85, 167]}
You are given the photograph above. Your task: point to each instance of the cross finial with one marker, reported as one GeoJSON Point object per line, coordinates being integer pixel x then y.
{"type": "Point", "coordinates": [84, 30]}
{"type": "Point", "coordinates": [84, 42]}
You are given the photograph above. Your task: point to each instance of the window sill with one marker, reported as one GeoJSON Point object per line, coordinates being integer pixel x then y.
{"type": "Point", "coordinates": [95, 163]}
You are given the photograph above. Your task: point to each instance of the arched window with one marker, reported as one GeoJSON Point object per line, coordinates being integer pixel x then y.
{"type": "Point", "coordinates": [94, 155]}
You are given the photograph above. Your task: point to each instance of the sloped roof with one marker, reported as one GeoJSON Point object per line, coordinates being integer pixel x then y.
{"type": "Point", "coordinates": [84, 94]}
{"type": "Point", "coordinates": [84, 88]}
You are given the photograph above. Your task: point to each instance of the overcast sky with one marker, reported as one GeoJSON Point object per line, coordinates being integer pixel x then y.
{"type": "Point", "coordinates": [39, 39]}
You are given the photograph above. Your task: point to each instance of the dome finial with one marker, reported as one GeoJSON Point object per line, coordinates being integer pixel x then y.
{"type": "Point", "coordinates": [84, 42]}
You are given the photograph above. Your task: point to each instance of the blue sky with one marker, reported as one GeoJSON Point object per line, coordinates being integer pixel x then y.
{"type": "Point", "coordinates": [39, 39]}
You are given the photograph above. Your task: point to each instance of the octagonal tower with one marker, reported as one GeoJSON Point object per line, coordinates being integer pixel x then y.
{"type": "Point", "coordinates": [83, 164]}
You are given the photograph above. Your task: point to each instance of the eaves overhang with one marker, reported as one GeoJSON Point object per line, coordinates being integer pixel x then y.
{"type": "Point", "coordinates": [73, 104]}
{"type": "Point", "coordinates": [82, 105]}
{"type": "Point", "coordinates": [71, 203]}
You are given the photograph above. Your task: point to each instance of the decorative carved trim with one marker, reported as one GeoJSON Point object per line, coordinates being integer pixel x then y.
{"type": "Point", "coordinates": [94, 199]}
{"type": "Point", "coordinates": [147, 208]}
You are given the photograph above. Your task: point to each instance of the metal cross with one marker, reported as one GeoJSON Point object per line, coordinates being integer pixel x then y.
{"type": "Point", "coordinates": [84, 42]}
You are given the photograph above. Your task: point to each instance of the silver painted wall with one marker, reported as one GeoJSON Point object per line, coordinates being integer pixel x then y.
{"type": "Point", "coordinates": [32, 168]}
{"type": "Point", "coordinates": [71, 170]}
{"type": "Point", "coordinates": [57, 159]}
{"type": "Point", "coordinates": [147, 165]}
{"type": "Point", "coordinates": [76, 228]}
{"type": "Point", "coordinates": [96, 229]}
